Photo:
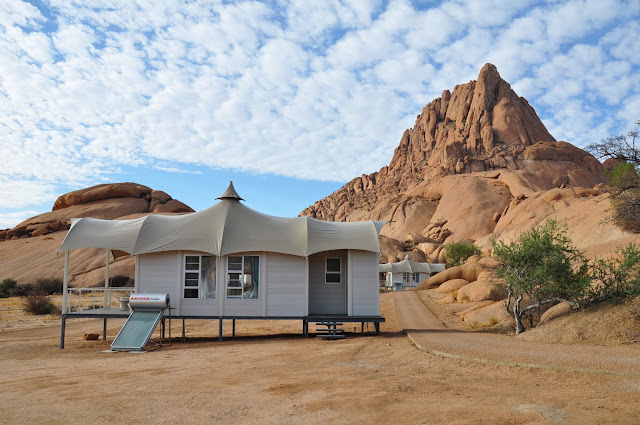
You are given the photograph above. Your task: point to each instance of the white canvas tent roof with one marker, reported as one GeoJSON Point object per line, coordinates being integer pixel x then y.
{"type": "Point", "coordinates": [225, 228]}
{"type": "Point", "coordinates": [409, 266]}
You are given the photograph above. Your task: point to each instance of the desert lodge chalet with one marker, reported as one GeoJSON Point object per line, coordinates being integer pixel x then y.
{"type": "Point", "coordinates": [232, 262]}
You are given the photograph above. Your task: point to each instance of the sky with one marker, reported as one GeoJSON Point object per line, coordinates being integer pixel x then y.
{"type": "Point", "coordinates": [289, 99]}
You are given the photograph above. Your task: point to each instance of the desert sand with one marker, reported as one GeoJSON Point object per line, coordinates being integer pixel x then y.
{"type": "Point", "coordinates": [270, 374]}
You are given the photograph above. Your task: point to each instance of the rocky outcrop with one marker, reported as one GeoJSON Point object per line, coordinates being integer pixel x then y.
{"type": "Point", "coordinates": [107, 201]}
{"type": "Point", "coordinates": [28, 251]}
{"type": "Point", "coordinates": [470, 155]}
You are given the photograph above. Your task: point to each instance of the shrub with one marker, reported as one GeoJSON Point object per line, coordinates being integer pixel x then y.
{"type": "Point", "coordinates": [456, 253]}
{"type": "Point", "coordinates": [617, 278]}
{"type": "Point", "coordinates": [625, 196]}
{"type": "Point", "coordinates": [37, 303]}
{"type": "Point", "coordinates": [49, 286]}
{"type": "Point", "coordinates": [541, 268]}
{"type": "Point", "coordinates": [120, 281]}
{"type": "Point", "coordinates": [23, 290]}
{"type": "Point", "coordinates": [8, 287]}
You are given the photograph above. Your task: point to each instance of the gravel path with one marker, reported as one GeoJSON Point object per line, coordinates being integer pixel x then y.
{"type": "Point", "coordinates": [428, 333]}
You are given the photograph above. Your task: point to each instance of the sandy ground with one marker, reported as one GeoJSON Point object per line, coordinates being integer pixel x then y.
{"type": "Point", "coordinates": [270, 374]}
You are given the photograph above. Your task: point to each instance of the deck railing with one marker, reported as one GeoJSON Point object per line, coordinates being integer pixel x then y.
{"type": "Point", "coordinates": [78, 299]}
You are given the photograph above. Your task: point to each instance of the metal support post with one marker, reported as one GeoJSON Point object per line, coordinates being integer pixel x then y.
{"type": "Point", "coordinates": [64, 319]}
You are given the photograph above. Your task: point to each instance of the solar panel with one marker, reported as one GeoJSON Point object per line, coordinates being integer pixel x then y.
{"type": "Point", "coordinates": [137, 330]}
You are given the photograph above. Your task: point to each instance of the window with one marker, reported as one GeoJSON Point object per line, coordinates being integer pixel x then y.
{"type": "Point", "coordinates": [333, 272]}
{"type": "Point", "coordinates": [243, 273]}
{"type": "Point", "coordinates": [199, 276]}
{"type": "Point", "coordinates": [410, 277]}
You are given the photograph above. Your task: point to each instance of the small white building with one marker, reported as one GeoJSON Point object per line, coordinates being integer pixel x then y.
{"type": "Point", "coordinates": [232, 262]}
{"type": "Point", "coordinates": [408, 273]}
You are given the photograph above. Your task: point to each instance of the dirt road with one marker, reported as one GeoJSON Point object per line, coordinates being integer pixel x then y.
{"type": "Point", "coordinates": [428, 333]}
{"type": "Point", "coordinates": [270, 374]}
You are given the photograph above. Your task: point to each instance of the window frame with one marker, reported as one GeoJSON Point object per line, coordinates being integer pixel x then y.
{"type": "Point", "coordinates": [200, 287]}
{"type": "Point", "coordinates": [327, 272]}
{"type": "Point", "coordinates": [241, 274]}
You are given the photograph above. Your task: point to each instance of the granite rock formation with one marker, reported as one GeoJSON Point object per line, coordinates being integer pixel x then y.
{"type": "Point", "coordinates": [28, 251]}
{"type": "Point", "coordinates": [108, 201]}
{"type": "Point", "coordinates": [471, 156]}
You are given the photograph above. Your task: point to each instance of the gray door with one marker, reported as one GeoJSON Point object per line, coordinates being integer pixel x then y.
{"type": "Point", "coordinates": [328, 282]}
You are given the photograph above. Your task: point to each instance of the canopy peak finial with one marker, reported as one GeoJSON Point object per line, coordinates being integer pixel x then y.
{"type": "Point", "coordinates": [230, 194]}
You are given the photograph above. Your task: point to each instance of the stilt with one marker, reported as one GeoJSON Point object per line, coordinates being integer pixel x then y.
{"type": "Point", "coordinates": [305, 328]}
{"type": "Point", "coordinates": [233, 333]}
{"type": "Point", "coordinates": [361, 327]}
{"type": "Point", "coordinates": [104, 329]}
{"type": "Point", "coordinates": [107, 295]}
{"type": "Point", "coordinates": [64, 319]}
{"type": "Point", "coordinates": [183, 331]}
{"type": "Point", "coordinates": [377, 325]}
{"type": "Point", "coordinates": [220, 333]}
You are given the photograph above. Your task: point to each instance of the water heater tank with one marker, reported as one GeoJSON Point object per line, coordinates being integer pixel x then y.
{"type": "Point", "coordinates": [155, 301]}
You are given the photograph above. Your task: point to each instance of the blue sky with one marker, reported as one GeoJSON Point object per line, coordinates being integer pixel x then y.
{"type": "Point", "coordinates": [290, 99]}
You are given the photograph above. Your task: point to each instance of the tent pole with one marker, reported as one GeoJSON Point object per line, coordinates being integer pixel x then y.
{"type": "Point", "coordinates": [106, 278]}
{"type": "Point", "coordinates": [65, 282]}
{"type": "Point", "coordinates": [65, 287]}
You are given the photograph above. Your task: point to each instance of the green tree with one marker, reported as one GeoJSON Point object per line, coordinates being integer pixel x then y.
{"type": "Point", "coordinates": [456, 253]}
{"type": "Point", "coordinates": [541, 268]}
{"type": "Point", "coordinates": [7, 287]}
{"type": "Point", "coordinates": [624, 181]}
{"type": "Point", "coordinates": [616, 278]}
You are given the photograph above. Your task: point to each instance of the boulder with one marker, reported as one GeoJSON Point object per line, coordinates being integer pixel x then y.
{"type": "Point", "coordinates": [161, 196]}
{"type": "Point", "coordinates": [452, 285]}
{"type": "Point", "coordinates": [40, 232]}
{"type": "Point", "coordinates": [101, 192]}
{"type": "Point", "coordinates": [390, 248]}
{"type": "Point", "coordinates": [32, 227]}
{"type": "Point", "coordinates": [555, 312]}
{"type": "Point", "coordinates": [172, 206]}
{"type": "Point", "coordinates": [488, 315]}
{"type": "Point", "coordinates": [428, 247]}
{"type": "Point", "coordinates": [55, 226]}
{"type": "Point", "coordinates": [472, 307]}
{"type": "Point", "coordinates": [486, 287]}
{"type": "Point", "coordinates": [417, 255]}
{"type": "Point", "coordinates": [416, 239]}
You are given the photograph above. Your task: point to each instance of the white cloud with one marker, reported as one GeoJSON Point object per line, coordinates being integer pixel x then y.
{"type": "Point", "coordinates": [9, 219]}
{"type": "Point", "coordinates": [307, 89]}
{"type": "Point", "coordinates": [169, 169]}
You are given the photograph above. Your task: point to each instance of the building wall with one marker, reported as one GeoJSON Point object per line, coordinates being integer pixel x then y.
{"type": "Point", "coordinates": [363, 273]}
{"type": "Point", "coordinates": [327, 298]}
{"type": "Point", "coordinates": [159, 273]}
{"type": "Point", "coordinates": [285, 285]}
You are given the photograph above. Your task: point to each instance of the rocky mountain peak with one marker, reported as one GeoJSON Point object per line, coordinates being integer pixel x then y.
{"type": "Point", "coordinates": [471, 155]}
{"type": "Point", "coordinates": [469, 123]}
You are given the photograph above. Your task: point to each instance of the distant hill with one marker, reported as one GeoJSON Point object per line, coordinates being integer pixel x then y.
{"type": "Point", "coordinates": [28, 251]}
